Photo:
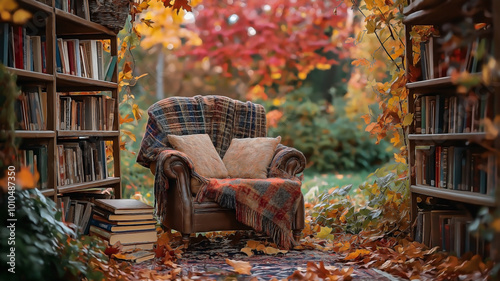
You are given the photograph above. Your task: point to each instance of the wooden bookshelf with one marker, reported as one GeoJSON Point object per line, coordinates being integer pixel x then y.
{"type": "Point", "coordinates": [52, 24]}
{"type": "Point", "coordinates": [436, 145]}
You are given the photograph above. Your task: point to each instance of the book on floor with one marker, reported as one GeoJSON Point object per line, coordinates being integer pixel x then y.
{"type": "Point", "coordinates": [130, 237]}
{"type": "Point", "coordinates": [113, 227]}
{"type": "Point", "coordinates": [137, 257]}
{"type": "Point", "coordinates": [124, 206]}
{"type": "Point", "coordinates": [123, 217]}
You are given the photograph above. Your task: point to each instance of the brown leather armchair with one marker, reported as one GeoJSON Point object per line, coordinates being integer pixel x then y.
{"type": "Point", "coordinates": [188, 216]}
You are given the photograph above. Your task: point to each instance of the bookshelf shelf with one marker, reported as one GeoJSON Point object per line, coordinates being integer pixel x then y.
{"type": "Point", "coordinates": [62, 41]}
{"type": "Point", "coordinates": [86, 133]}
{"type": "Point", "coordinates": [432, 84]}
{"type": "Point", "coordinates": [442, 13]}
{"type": "Point", "coordinates": [35, 134]}
{"type": "Point", "coordinates": [35, 6]}
{"type": "Point", "coordinates": [84, 185]}
{"type": "Point", "coordinates": [25, 75]}
{"type": "Point", "coordinates": [48, 192]}
{"type": "Point", "coordinates": [69, 24]}
{"type": "Point", "coordinates": [448, 137]}
{"type": "Point", "coordinates": [67, 82]}
{"type": "Point", "coordinates": [455, 195]}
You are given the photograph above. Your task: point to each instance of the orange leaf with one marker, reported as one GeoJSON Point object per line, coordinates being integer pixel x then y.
{"type": "Point", "coordinates": [241, 267]}
{"type": "Point", "coordinates": [247, 251]}
{"type": "Point", "coordinates": [25, 179]}
{"type": "Point", "coordinates": [358, 253]}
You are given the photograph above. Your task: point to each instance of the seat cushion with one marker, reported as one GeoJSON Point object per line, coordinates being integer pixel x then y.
{"type": "Point", "coordinates": [249, 158]}
{"type": "Point", "coordinates": [200, 149]}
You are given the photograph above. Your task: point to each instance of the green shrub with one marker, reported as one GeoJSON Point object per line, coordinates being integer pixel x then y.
{"type": "Point", "coordinates": [45, 247]}
{"type": "Point", "coordinates": [329, 140]}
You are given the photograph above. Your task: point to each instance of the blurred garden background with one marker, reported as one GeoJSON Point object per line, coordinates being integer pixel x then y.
{"type": "Point", "coordinates": [316, 72]}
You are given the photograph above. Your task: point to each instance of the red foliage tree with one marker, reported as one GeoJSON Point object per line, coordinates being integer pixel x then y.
{"type": "Point", "coordinates": [271, 42]}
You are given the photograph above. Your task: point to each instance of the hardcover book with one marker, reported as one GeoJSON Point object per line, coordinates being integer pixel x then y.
{"type": "Point", "coordinates": [124, 206]}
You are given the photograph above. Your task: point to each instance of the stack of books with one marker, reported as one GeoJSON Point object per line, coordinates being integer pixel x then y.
{"type": "Point", "coordinates": [126, 220]}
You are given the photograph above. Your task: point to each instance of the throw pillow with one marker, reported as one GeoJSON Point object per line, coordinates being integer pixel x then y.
{"type": "Point", "coordinates": [250, 157]}
{"type": "Point", "coordinates": [201, 151]}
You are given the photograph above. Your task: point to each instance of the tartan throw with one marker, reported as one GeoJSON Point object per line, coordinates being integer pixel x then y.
{"type": "Point", "coordinates": [267, 205]}
{"type": "Point", "coordinates": [222, 119]}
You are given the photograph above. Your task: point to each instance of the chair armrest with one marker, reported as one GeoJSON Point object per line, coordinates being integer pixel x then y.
{"type": "Point", "coordinates": [287, 160]}
{"type": "Point", "coordinates": [178, 168]}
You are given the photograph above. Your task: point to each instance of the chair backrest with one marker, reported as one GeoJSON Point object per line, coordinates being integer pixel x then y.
{"type": "Point", "coordinates": [220, 117]}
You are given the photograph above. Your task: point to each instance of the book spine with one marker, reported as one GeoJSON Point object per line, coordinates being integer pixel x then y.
{"type": "Point", "coordinates": [102, 225]}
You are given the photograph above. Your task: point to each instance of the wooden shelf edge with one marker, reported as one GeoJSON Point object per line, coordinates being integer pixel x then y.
{"type": "Point", "coordinates": [48, 192]}
{"type": "Point", "coordinates": [66, 80]}
{"type": "Point", "coordinates": [435, 137]}
{"type": "Point", "coordinates": [80, 186]}
{"type": "Point", "coordinates": [435, 82]}
{"type": "Point", "coordinates": [91, 27]}
{"type": "Point", "coordinates": [34, 134]}
{"type": "Point", "coordinates": [87, 133]}
{"type": "Point", "coordinates": [25, 74]}
{"type": "Point", "coordinates": [35, 5]}
{"type": "Point", "coordinates": [455, 195]}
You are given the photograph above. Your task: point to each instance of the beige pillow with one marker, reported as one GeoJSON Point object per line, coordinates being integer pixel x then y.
{"type": "Point", "coordinates": [202, 152]}
{"type": "Point", "coordinates": [249, 158]}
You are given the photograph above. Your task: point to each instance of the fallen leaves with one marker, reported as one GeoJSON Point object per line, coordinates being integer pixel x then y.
{"type": "Point", "coordinates": [266, 248]}
{"type": "Point", "coordinates": [241, 267]}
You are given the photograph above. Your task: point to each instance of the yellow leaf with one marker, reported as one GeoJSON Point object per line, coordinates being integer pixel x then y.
{"type": "Point", "coordinates": [371, 26]}
{"type": "Point", "coordinates": [408, 119]}
{"type": "Point", "coordinates": [241, 267]}
{"type": "Point", "coordinates": [302, 75]}
{"type": "Point", "coordinates": [323, 66]}
{"type": "Point", "coordinates": [129, 134]}
{"type": "Point", "coordinates": [276, 75]}
{"type": "Point", "coordinates": [21, 16]}
{"type": "Point", "coordinates": [396, 140]}
{"type": "Point", "coordinates": [399, 158]}
{"type": "Point", "coordinates": [325, 231]}
{"type": "Point", "coordinates": [137, 112]}
{"type": "Point", "coordinates": [247, 251]}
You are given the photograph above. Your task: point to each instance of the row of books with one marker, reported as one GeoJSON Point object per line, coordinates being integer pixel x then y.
{"type": "Point", "coordinates": [436, 62]}
{"type": "Point", "coordinates": [86, 112]}
{"type": "Point", "coordinates": [82, 161]}
{"type": "Point", "coordinates": [84, 58]}
{"type": "Point", "coordinates": [21, 50]}
{"type": "Point", "coordinates": [456, 168]}
{"type": "Point", "coordinates": [449, 230]}
{"type": "Point", "coordinates": [35, 157]}
{"type": "Point", "coordinates": [77, 212]}
{"type": "Point", "coordinates": [75, 7]}
{"type": "Point", "coordinates": [128, 221]}
{"type": "Point", "coordinates": [442, 114]}
{"type": "Point", "coordinates": [31, 110]}
{"type": "Point", "coordinates": [77, 207]}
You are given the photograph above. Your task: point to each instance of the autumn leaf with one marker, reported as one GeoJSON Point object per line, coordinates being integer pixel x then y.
{"type": "Point", "coordinates": [25, 179]}
{"type": "Point", "coordinates": [241, 267]}
{"type": "Point", "coordinates": [358, 253]}
{"type": "Point", "coordinates": [137, 112]}
{"type": "Point", "coordinates": [247, 251]}
{"type": "Point", "coordinates": [21, 16]}
{"type": "Point", "coordinates": [408, 119]}
{"type": "Point", "coordinates": [113, 249]}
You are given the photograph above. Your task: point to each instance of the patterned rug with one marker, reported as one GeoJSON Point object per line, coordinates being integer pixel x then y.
{"type": "Point", "coordinates": [206, 260]}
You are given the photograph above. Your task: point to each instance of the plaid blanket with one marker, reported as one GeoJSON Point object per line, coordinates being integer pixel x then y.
{"type": "Point", "coordinates": [267, 205]}
{"type": "Point", "coordinates": [222, 119]}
